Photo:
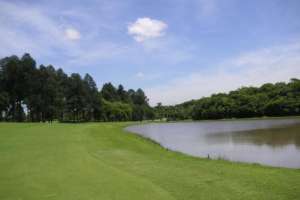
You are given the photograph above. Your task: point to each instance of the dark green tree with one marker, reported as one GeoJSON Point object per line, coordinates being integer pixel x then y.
{"type": "Point", "coordinates": [109, 92]}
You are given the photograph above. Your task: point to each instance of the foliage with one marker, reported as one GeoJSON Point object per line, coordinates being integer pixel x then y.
{"type": "Point", "coordinates": [31, 93]}
{"type": "Point", "coordinates": [279, 99]}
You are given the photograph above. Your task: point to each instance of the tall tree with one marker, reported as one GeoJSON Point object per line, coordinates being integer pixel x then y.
{"type": "Point", "coordinates": [75, 97]}
{"type": "Point", "coordinates": [123, 94]}
{"type": "Point", "coordinates": [91, 101]}
{"type": "Point", "coordinates": [109, 92]}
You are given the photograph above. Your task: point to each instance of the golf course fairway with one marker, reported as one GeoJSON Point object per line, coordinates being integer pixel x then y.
{"type": "Point", "coordinates": [100, 161]}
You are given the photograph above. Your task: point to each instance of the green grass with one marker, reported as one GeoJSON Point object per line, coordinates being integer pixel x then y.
{"type": "Point", "coordinates": [99, 161]}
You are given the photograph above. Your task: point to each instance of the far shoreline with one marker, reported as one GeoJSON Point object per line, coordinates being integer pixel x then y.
{"type": "Point", "coordinates": [225, 119]}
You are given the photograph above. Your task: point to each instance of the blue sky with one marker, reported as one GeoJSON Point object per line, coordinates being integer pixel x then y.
{"type": "Point", "coordinates": [175, 50]}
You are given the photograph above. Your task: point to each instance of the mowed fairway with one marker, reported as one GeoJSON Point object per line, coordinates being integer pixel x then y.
{"type": "Point", "coordinates": [99, 161]}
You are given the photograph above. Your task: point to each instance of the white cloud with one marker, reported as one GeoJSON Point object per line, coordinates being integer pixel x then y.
{"type": "Point", "coordinates": [255, 68]}
{"type": "Point", "coordinates": [146, 28]}
{"type": "Point", "coordinates": [72, 34]}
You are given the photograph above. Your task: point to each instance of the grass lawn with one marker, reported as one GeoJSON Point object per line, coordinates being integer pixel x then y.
{"type": "Point", "coordinates": [99, 161]}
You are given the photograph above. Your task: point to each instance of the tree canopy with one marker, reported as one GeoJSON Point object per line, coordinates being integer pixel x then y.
{"type": "Point", "coordinates": [279, 99]}
{"type": "Point", "coordinates": [41, 93]}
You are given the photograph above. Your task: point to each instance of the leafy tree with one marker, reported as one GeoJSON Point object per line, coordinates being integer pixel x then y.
{"type": "Point", "coordinates": [91, 99]}
{"type": "Point", "coordinates": [117, 111]}
{"type": "Point", "coordinates": [45, 94]}
{"type": "Point", "coordinates": [75, 98]}
{"type": "Point", "coordinates": [123, 94]}
{"type": "Point", "coordinates": [280, 99]}
{"type": "Point", "coordinates": [109, 92]}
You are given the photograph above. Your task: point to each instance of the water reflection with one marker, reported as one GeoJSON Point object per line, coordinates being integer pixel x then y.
{"type": "Point", "coordinates": [273, 142]}
{"type": "Point", "coordinates": [275, 137]}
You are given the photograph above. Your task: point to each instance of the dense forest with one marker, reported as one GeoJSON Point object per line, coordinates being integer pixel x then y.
{"type": "Point", "coordinates": [40, 94]}
{"type": "Point", "coordinates": [280, 99]}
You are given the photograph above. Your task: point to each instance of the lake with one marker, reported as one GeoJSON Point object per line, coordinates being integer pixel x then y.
{"type": "Point", "coordinates": [274, 142]}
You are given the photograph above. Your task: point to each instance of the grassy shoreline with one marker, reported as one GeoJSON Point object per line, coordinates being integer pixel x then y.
{"type": "Point", "coordinates": [100, 161]}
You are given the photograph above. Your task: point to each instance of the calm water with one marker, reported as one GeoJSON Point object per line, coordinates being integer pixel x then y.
{"type": "Point", "coordinates": [274, 142]}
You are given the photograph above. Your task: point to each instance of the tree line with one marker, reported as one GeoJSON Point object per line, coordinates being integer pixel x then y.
{"type": "Point", "coordinates": [40, 94]}
{"type": "Point", "coordinates": [279, 99]}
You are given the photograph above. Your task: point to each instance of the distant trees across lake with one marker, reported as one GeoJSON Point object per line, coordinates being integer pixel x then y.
{"type": "Point", "coordinates": [280, 99]}
{"type": "Point", "coordinates": [31, 93]}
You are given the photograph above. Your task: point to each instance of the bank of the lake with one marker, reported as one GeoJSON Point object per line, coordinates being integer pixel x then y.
{"type": "Point", "coordinates": [99, 161]}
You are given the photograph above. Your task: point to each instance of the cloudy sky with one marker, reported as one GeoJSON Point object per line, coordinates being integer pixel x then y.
{"type": "Point", "coordinates": [175, 50]}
